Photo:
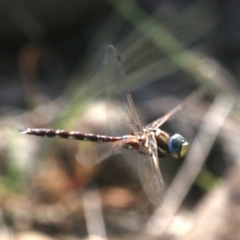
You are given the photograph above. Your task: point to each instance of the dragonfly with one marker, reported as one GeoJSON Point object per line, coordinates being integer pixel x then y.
{"type": "Point", "coordinates": [150, 142]}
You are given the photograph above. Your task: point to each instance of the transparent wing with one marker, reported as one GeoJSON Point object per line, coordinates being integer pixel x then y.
{"type": "Point", "coordinates": [91, 153]}
{"type": "Point", "coordinates": [157, 123]}
{"type": "Point", "coordinates": [122, 116]}
{"type": "Point", "coordinates": [124, 119]}
{"type": "Point", "coordinates": [150, 174]}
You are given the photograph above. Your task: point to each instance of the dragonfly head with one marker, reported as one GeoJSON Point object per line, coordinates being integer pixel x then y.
{"type": "Point", "coordinates": [178, 146]}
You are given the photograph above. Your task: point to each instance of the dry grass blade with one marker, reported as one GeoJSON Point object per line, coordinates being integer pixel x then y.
{"type": "Point", "coordinates": [201, 147]}
{"type": "Point", "coordinates": [93, 215]}
{"type": "Point", "coordinates": [4, 231]}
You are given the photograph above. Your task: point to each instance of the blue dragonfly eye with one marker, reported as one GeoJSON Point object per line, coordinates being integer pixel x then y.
{"type": "Point", "coordinates": [175, 144]}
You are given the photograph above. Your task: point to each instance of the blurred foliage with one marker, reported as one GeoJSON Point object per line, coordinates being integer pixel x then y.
{"type": "Point", "coordinates": [53, 77]}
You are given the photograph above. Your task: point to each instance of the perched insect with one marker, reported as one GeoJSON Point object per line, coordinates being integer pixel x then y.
{"type": "Point", "coordinates": [150, 142]}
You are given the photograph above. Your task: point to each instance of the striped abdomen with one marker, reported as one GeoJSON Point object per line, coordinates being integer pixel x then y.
{"type": "Point", "coordinates": [41, 132]}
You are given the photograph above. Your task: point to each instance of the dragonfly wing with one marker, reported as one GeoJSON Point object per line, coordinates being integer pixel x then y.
{"type": "Point", "coordinates": [157, 123]}
{"type": "Point", "coordinates": [91, 154]}
{"type": "Point", "coordinates": [150, 174]}
{"type": "Point", "coordinates": [160, 121]}
{"type": "Point", "coordinates": [122, 116]}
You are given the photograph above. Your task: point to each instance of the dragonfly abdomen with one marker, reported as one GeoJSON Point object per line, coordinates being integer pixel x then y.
{"type": "Point", "coordinates": [42, 132]}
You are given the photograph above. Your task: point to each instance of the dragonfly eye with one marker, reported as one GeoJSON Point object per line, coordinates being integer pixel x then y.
{"type": "Point", "coordinates": [177, 145]}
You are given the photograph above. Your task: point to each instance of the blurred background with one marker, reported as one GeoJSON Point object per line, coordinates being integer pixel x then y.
{"type": "Point", "coordinates": [51, 76]}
